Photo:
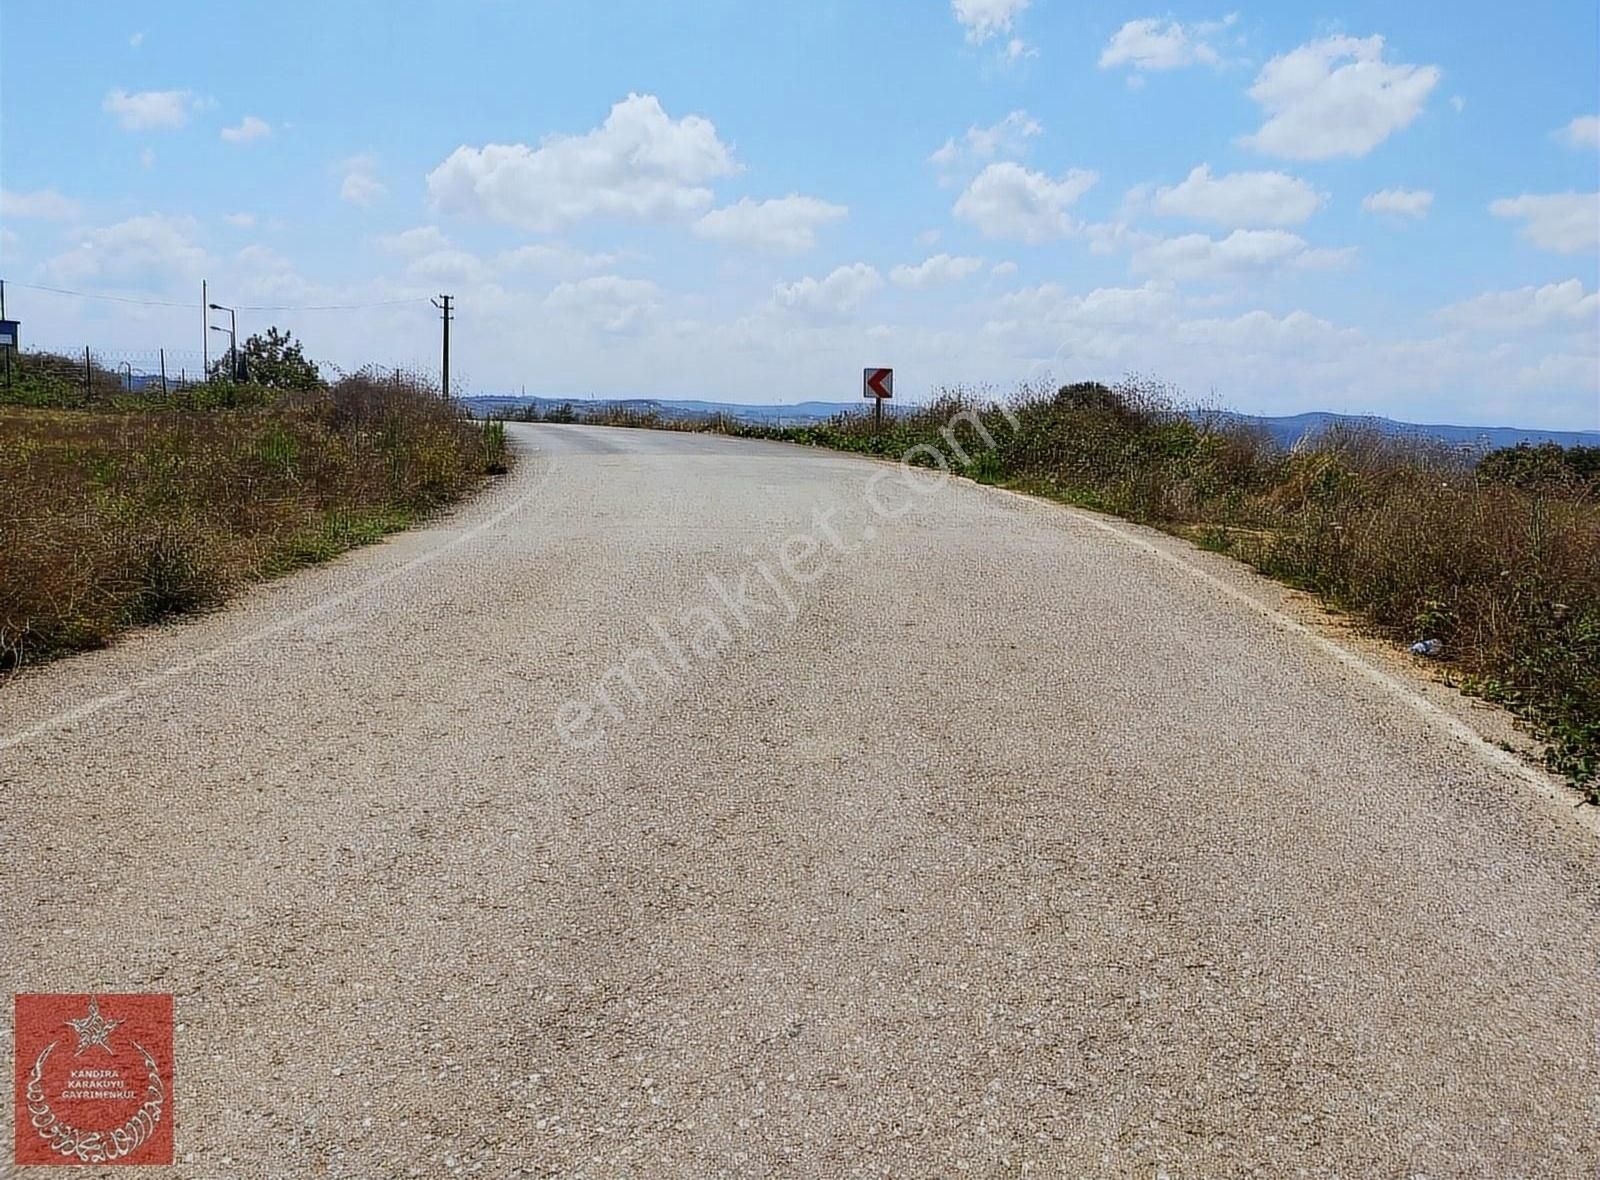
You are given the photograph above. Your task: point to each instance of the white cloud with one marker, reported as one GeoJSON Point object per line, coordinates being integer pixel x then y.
{"type": "Point", "coordinates": [1553, 305]}
{"type": "Point", "coordinates": [421, 239]}
{"type": "Point", "coordinates": [1243, 252]}
{"type": "Point", "coordinates": [139, 251]}
{"type": "Point", "coordinates": [136, 40]}
{"type": "Point", "coordinates": [1006, 200]}
{"type": "Point", "coordinates": [1459, 103]}
{"type": "Point", "coordinates": [1008, 139]}
{"type": "Point", "coordinates": [1582, 132]}
{"type": "Point", "coordinates": [1568, 223]}
{"type": "Point", "coordinates": [1318, 108]}
{"type": "Point", "coordinates": [607, 302]}
{"type": "Point", "coordinates": [1239, 198]}
{"type": "Point", "coordinates": [361, 185]}
{"type": "Point", "coordinates": [639, 163]}
{"type": "Point", "coordinates": [1052, 305]}
{"type": "Point", "coordinates": [941, 268]}
{"type": "Point", "coordinates": [248, 129]}
{"type": "Point", "coordinates": [45, 203]}
{"type": "Point", "coordinates": [783, 223]}
{"type": "Point", "coordinates": [149, 110]}
{"type": "Point", "coordinates": [1152, 44]}
{"type": "Point", "coordinates": [984, 19]}
{"type": "Point", "coordinates": [1261, 336]}
{"type": "Point", "coordinates": [450, 266]}
{"type": "Point", "coordinates": [1003, 270]}
{"type": "Point", "coordinates": [147, 159]}
{"type": "Point", "coordinates": [543, 256]}
{"type": "Point", "coordinates": [1399, 202]}
{"type": "Point", "coordinates": [241, 220]}
{"type": "Point", "coordinates": [262, 273]}
{"type": "Point", "coordinates": [840, 293]}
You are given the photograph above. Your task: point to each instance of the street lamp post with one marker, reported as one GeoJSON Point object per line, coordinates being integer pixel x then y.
{"type": "Point", "coordinates": [233, 339]}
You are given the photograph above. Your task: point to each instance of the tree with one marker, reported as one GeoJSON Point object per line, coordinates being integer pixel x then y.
{"type": "Point", "coordinates": [278, 361]}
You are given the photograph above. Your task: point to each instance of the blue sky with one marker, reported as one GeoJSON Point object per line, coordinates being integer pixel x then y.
{"type": "Point", "coordinates": [1371, 208]}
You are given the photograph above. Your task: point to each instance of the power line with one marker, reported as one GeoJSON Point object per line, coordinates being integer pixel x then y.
{"type": "Point", "coordinates": [241, 307]}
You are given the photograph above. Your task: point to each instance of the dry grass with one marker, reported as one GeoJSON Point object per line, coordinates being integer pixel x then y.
{"type": "Point", "coordinates": [1498, 561]}
{"type": "Point", "coordinates": [113, 519]}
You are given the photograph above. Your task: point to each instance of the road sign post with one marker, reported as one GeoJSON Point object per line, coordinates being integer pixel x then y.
{"type": "Point", "coordinates": [877, 384]}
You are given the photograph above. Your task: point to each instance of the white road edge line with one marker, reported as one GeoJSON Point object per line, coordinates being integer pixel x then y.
{"type": "Point", "coordinates": [1547, 786]}
{"type": "Point", "coordinates": [99, 704]}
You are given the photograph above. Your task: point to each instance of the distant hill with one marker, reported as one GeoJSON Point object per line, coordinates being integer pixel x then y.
{"type": "Point", "coordinates": [1285, 430]}
{"type": "Point", "coordinates": [797, 414]}
{"type": "Point", "coordinates": [1290, 430]}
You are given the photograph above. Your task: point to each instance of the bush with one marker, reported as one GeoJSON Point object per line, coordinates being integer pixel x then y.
{"type": "Point", "coordinates": [111, 520]}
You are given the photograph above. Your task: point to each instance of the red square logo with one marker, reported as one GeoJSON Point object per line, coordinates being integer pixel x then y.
{"type": "Point", "coordinates": [94, 1079]}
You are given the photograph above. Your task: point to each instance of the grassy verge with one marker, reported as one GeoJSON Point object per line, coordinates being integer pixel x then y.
{"type": "Point", "coordinates": [1498, 560]}
{"type": "Point", "coordinates": [136, 509]}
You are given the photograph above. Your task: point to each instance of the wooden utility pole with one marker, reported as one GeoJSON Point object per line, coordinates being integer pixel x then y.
{"type": "Point", "coordinates": [443, 303]}
{"type": "Point", "coordinates": [205, 333]}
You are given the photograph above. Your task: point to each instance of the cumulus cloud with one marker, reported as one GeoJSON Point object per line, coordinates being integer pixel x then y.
{"type": "Point", "coordinates": [1242, 253]}
{"type": "Point", "coordinates": [1260, 333]}
{"type": "Point", "coordinates": [607, 302]}
{"type": "Point", "coordinates": [1567, 223]}
{"type": "Point", "coordinates": [1006, 139]}
{"type": "Point", "coordinates": [985, 19]}
{"type": "Point", "coordinates": [838, 294]}
{"type": "Point", "coordinates": [1239, 198]}
{"type": "Point", "coordinates": [421, 239]}
{"type": "Point", "coordinates": [1006, 200]}
{"type": "Point", "coordinates": [640, 163]}
{"type": "Point", "coordinates": [1399, 202]}
{"type": "Point", "coordinates": [941, 268]}
{"type": "Point", "coordinates": [1582, 132]}
{"type": "Point", "coordinates": [140, 251]}
{"type": "Point", "coordinates": [553, 258]}
{"type": "Point", "coordinates": [784, 223]}
{"type": "Point", "coordinates": [451, 266]}
{"type": "Point", "coordinates": [360, 184]}
{"type": "Point", "coordinates": [1053, 305]}
{"type": "Point", "coordinates": [1553, 305]}
{"type": "Point", "coordinates": [1003, 270]}
{"type": "Point", "coordinates": [149, 110]}
{"type": "Point", "coordinates": [1152, 44]}
{"type": "Point", "coordinates": [44, 203]}
{"type": "Point", "coordinates": [249, 128]}
{"type": "Point", "coordinates": [1336, 97]}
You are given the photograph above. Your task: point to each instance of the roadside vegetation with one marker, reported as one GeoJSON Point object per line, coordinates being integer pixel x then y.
{"type": "Point", "coordinates": [1497, 557]}
{"type": "Point", "coordinates": [120, 507]}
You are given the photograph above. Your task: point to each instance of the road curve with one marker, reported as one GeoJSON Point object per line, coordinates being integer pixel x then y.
{"type": "Point", "coordinates": [686, 806]}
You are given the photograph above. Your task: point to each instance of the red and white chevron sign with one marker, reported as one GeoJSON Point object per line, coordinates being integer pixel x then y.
{"type": "Point", "coordinates": [878, 383]}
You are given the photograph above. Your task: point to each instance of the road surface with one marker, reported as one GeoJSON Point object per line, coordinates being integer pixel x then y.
{"type": "Point", "coordinates": [686, 806]}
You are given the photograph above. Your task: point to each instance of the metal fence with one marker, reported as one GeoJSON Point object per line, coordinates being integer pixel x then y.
{"type": "Point", "coordinates": [97, 370]}
{"type": "Point", "coordinates": [67, 376]}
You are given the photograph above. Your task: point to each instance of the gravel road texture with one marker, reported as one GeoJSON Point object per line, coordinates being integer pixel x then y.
{"type": "Point", "coordinates": [688, 806]}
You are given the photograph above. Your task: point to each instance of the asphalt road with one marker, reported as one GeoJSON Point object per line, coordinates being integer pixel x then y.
{"type": "Point", "coordinates": [938, 832]}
